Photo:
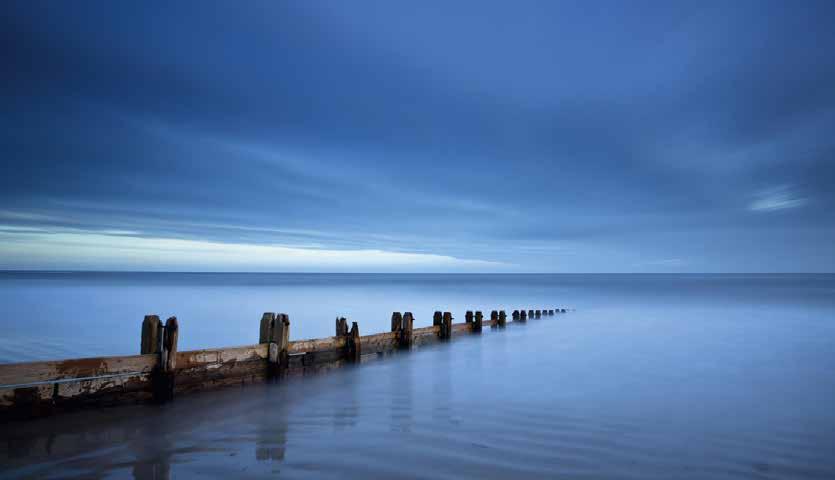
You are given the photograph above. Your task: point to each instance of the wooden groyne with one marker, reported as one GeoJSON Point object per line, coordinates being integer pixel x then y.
{"type": "Point", "coordinates": [160, 372]}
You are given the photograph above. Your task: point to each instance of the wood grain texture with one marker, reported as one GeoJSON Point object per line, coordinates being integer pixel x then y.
{"type": "Point", "coordinates": [29, 372]}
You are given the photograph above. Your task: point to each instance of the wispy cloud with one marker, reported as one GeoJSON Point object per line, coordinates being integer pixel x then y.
{"type": "Point", "coordinates": [119, 250]}
{"type": "Point", "coordinates": [781, 197]}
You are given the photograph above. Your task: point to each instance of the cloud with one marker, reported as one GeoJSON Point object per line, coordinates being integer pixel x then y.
{"type": "Point", "coordinates": [119, 250]}
{"type": "Point", "coordinates": [777, 198]}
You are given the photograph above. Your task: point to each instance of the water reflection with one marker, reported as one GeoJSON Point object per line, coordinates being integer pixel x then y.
{"type": "Point", "coordinates": [346, 408]}
{"type": "Point", "coordinates": [153, 461]}
{"type": "Point", "coordinates": [442, 389]}
{"type": "Point", "coordinates": [400, 372]}
{"type": "Point", "coordinates": [271, 434]}
{"type": "Point", "coordinates": [671, 390]}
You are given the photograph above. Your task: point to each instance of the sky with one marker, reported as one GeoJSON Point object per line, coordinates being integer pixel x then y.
{"type": "Point", "coordinates": [402, 136]}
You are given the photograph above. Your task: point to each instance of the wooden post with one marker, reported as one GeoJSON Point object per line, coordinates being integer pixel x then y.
{"type": "Point", "coordinates": [341, 327]}
{"type": "Point", "coordinates": [279, 339]}
{"type": "Point", "coordinates": [468, 317]}
{"type": "Point", "coordinates": [502, 319]}
{"type": "Point", "coordinates": [479, 321]}
{"type": "Point", "coordinates": [437, 318]}
{"type": "Point", "coordinates": [530, 314]}
{"type": "Point", "coordinates": [494, 319]}
{"type": "Point", "coordinates": [550, 312]}
{"type": "Point", "coordinates": [150, 334]}
{"type": "Point", "coordinates": [163, 374]}
{"type": "Point", "coordinates": [406, 330]}
{"type": "Point", "coordinates": [267, 322]}
{"type": "Point", "coordinates": [538, 313]}
{"type": "Point", "coordinates": [562, 310]}
{"type": "Point", "coordinates": [523, 316]}
{"type": "Point", "coordinates": [446, 326]}
{"type": "Point", "coordinates": [353, 345]}
{"type": "Point", "coordinates": [172, 334]}
{"type": "Point", "coordinates": [396, 321]}
{"type": "Point", "coordinates": [516, 315]}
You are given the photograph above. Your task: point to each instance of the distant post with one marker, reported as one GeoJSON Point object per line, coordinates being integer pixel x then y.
{"type": "Point", "coordinates": [341, 327]}
{"type": "Point", "coordinates": [446, 327]}
{"type": "Point", "coordinates": [502, 318]}
{"type": "Point", "coordinates": [406, 330]}
{"type": "Point", "coordinates": [353, 346]}
{"type": "Point", "coordinates": [396, 321]}
{"type": "Point", "coordinates": [479, 321]}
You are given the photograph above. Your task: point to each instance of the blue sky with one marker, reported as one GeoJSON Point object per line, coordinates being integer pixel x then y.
{"type": "Point", "coordinates": [418, 136]}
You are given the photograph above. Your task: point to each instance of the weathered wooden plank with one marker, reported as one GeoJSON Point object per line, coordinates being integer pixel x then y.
{"type": "Point", "coordinates": [316, 344]}
{"type": "Point", "coordinates": [30, 372]}
{"type": "Point", "coordinates": [375, 337]}
{"type": "Point", "coordinates": [225, 374]}
{"type": "Point", "coordinates": [433, 330]}
{"type": "Point", "coordinates": [210, 357]}
{"type": "Point", "coordinates": [461, 327]}
{"type": "Point", "coordinates": [46, 399]}
{"type": "Point", "coordinates": [381, 342]}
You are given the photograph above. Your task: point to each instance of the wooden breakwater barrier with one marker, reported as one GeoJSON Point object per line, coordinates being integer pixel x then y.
{"type": "Point", "coordinates": [161, 371]}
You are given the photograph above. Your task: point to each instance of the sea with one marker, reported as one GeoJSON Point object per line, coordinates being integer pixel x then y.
{"type": "Point", "coordinates": [695, 376]}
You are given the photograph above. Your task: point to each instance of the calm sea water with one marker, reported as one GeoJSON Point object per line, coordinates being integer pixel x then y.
{"type": "Point", "coordinates": [653, 376]}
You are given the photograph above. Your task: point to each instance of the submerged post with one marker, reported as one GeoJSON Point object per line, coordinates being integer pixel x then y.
{"type": "Point", "coordinates": [468, 317]}
{"type": "Point", "coordinates": [538, 313]}
{"type": "Point", "coordinates": [494, 319]}
{"type": "Point", "coordinates": [479, 321]}
{"type": "Point", "coordinates": [523, 316]}
{"type": "Point", "coordinates": [516, 315]}
{"type": "Point", "coordinates": [550, 311]}
{"type": "Point", "coordinates": [502, 319]}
